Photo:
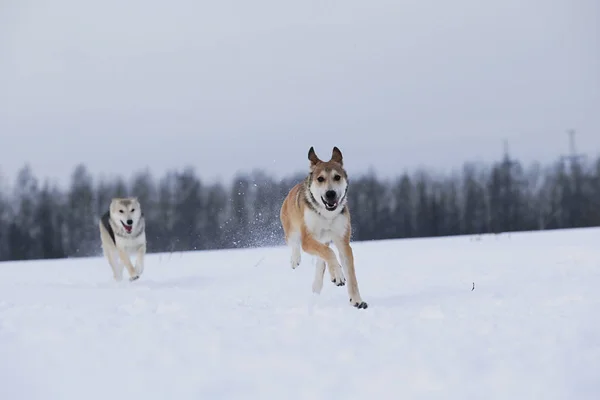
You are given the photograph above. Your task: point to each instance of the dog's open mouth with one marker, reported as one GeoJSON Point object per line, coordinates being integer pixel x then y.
{"type": "Point", "coordinates": [329, 206]}
{"type": "Point", "coordinates": [127, 227]}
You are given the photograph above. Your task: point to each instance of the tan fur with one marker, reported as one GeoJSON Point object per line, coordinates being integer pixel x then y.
{"type": "Point", "coordinates": [124, 245]}
{"type": "Point", "coordinates": [309, 226]}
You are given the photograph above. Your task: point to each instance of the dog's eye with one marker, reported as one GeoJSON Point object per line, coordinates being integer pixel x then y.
{"type": "Point", "coordinates": [337, 178]}
{"type": "Point", "coordinates": [320, 179]}
{"type": "Point", "coordinates": [133, 209]}
{"type": "Point", "coordinates": [121, 211]}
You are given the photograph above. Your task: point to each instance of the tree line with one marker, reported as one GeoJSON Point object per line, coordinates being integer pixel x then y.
{"type": "Point", "coordinates": [39, 220]}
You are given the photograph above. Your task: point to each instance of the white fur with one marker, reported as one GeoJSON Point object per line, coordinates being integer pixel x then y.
{"type": "Point", "coordinates": [327, 226]}
{"type": "Point", "coordinates": [319, 272]}
{"type": "Point", "coordinates": [131, 247]}
{"type": "Point", "coordinates": [337, 274]}
{"type": "Point", "coordinates": [325, 229]}
{"type": "Point", "coordinates": [129, 244]}
{"type": "Point", "coordinates": [295, 245]}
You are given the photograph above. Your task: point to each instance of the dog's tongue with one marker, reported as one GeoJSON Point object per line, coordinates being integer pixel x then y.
{"type": "Point", "coordinates": [127, 228]}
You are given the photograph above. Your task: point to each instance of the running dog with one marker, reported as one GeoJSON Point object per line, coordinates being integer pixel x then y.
{"type": "Point", "coordinates": [314, 214]}
{"type": "Point", "coordinates": [123, 232]}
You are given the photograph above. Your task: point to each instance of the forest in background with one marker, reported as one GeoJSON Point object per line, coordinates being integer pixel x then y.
{"type": "Point", "coordinates": [39, 220]}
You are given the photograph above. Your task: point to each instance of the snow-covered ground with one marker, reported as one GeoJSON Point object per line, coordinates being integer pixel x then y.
{"type": "Point", "coordinates": [244, 325]}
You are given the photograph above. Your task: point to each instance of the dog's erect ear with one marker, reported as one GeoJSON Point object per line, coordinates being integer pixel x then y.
{"type": "Point", "coordinates": [312, 157]}
{"type": "Point", "coordinates": [336, 155]}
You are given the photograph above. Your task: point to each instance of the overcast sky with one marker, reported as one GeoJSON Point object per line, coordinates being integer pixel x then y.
{"type": "Point", "coordinates": [234, 84]}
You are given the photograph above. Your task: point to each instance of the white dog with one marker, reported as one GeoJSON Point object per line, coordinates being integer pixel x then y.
{"type": "Point", "coordinates": [123, 232]}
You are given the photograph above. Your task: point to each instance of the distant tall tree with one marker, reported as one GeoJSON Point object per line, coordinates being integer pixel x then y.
{"type": "Point", "coordinates": [594, 195]}
{"type": "Point", "coordinates": [576, 202]}
{"type": "Point", "coordinates": [378, 203]}
{"type": "Point", "coordinates": [82, 219]}
{"type": "Point", "coordinates": [505, 195]}
{"type": "Point", "coordinates": [238, 224]}
{"type": "Point", "coordinates": [369, 201]}
{"type": "Point", "coordinates": [476, 209]}
{"type": "Point", "coordinates": [402, 219]}
{"type": "Point", "coordinates": [358, 203]}
{"type": "Point", "coordinates": [424, 206]}
{"type": "Point", "coordinates": [554, 191]}
{"type": "Point", "coordinates": [143, 187]}
{"type": "Point", "coordinates": [103, 195]}
{"type": "Point", "coordinates": [565, 196]}
{"type": "Point", "coordinates": [4, 224]}
{"type": "Point", "coordinates": [537, 198]}
{"type": "Point", "coordinates": [4, 220]}
{"type": "Point", "coordinates": [165, 239]}
{"type": "Point", "coordinates": [451, 211]}
{"type": "Point", "coordinates": [437, 203]}
{"type": "Point", "coordinates": [24, 229]}
{"type": "Point", "coordinates": [216, 215]}
{"type": "Point", "coordinates": [47, 215]}
{"type": "Point", "coordinates": [189, 205]}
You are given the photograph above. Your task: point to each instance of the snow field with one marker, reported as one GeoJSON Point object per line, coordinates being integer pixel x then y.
{"type": "Point", "coordinates": [242, 324]}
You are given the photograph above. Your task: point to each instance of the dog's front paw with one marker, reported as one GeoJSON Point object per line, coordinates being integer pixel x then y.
{"type": "Point", "coordinates": [133, 278]}
{"type": "Point", "coordinates": [337, 276]}
{"type": "Point", "coordinates": [295, 260]}
{"type": "Point", "coordinates": [358, 303]}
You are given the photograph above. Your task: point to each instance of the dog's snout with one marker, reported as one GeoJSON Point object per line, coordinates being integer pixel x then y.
{"type": "Point", "coordinates": [330, 194]}
{"type": "Point", "coordinates": [129, 221]}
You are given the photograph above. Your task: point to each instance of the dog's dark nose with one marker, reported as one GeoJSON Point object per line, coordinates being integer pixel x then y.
{"type": "Point", "coordinates": [129, 221]}
{"type": "Point", "coordinates": [330, 195]}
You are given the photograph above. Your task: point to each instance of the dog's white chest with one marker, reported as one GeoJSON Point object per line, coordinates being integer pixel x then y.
{"type": "Point", "coordinates": [324, 229]}
{"type": "Point", "coordinates": [130, 244]}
